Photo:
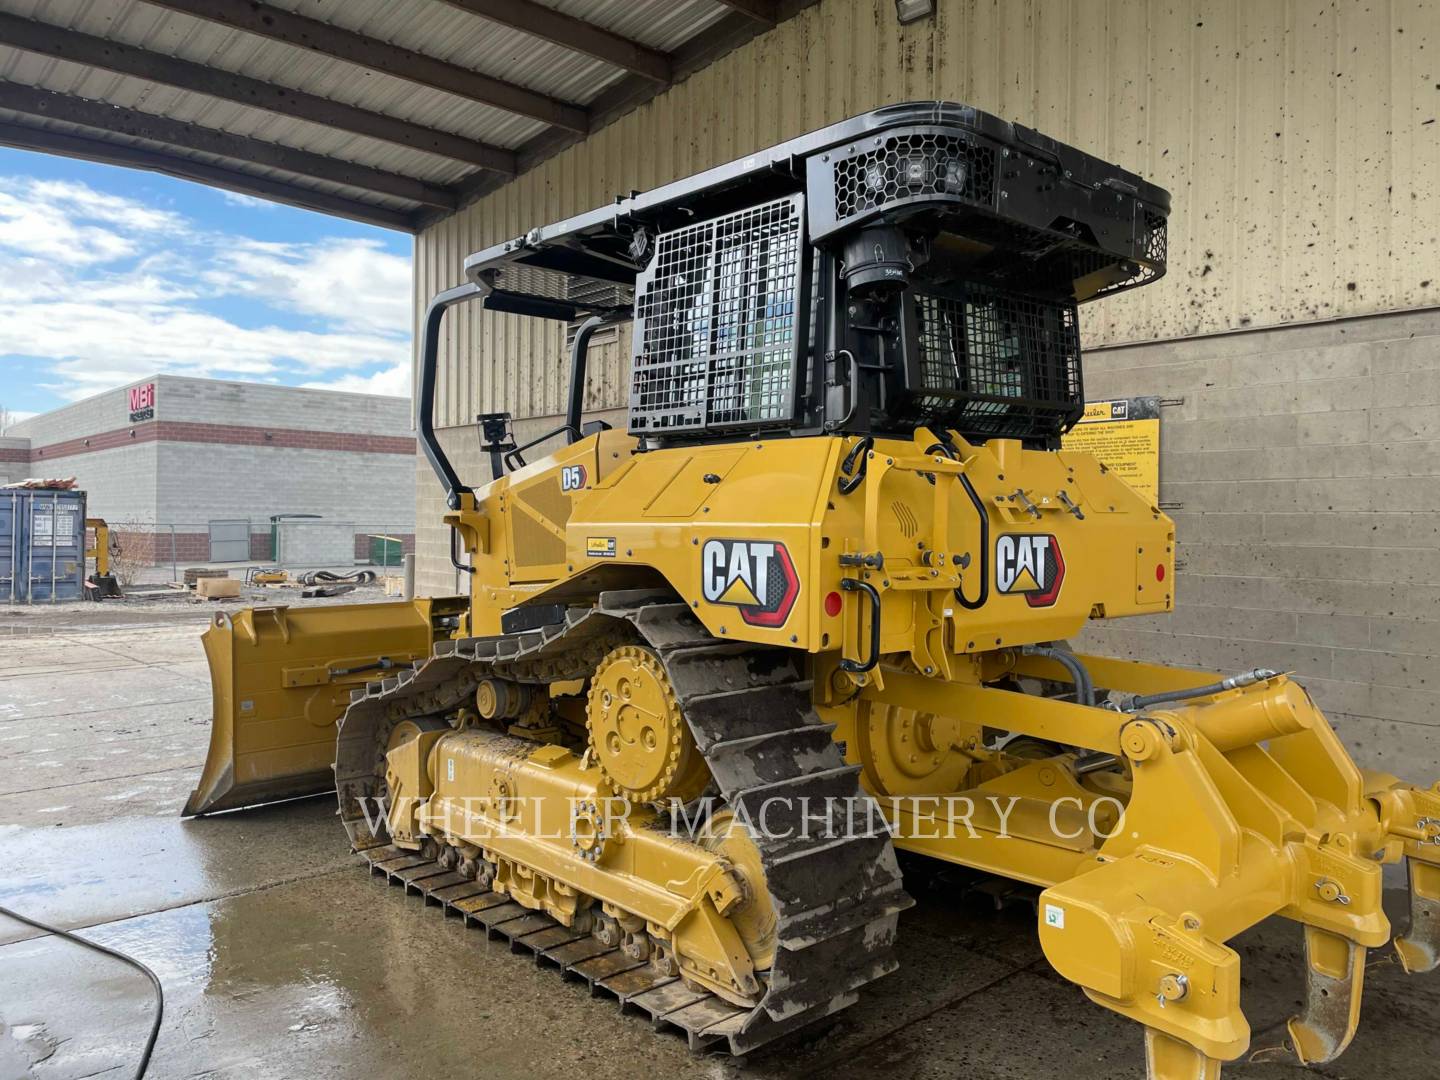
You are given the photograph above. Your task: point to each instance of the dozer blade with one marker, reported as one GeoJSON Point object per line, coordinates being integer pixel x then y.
{"type": "Point", "coordinates": [281, 677]}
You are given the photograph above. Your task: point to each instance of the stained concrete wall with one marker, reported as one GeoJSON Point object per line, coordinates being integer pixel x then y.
{"type": "Point", "coordinates": [1303, 473]}
{"type": "Point", "coordinates": [221, 401]}
{"type": "Point", "coordinates": [218, 401]}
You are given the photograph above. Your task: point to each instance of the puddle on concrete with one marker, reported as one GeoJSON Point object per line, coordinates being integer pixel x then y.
{"type": "Point", "coordinates": [99, 873]}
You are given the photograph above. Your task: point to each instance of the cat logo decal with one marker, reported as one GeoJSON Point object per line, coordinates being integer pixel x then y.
{"type": "Point", "coordinates": [756, 576]}
{"type": "Point", "coordinates": [1029, 564]}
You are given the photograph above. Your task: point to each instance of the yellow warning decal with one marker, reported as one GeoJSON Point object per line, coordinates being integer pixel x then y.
{"type": "Point", "coordinates": [1124, 434]}
{"type": "Point", "coordinates": [600, 547]}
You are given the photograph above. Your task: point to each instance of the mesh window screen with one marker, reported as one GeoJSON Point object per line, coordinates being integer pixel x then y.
{"type": "Point", "coordinates": [998, 364]}
{"type": "Point", "coordinates": [716, 342]}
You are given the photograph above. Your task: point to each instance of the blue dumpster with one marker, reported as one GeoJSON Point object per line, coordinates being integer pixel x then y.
{"type": "Point", "coordinates": [42, 546]}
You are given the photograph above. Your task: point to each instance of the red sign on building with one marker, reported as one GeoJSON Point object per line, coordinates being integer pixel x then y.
{"type": "Point", "coordinates": [142, 403]}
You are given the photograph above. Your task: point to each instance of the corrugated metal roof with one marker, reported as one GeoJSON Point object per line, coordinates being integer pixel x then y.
{"type": "Point", "coordinates": [431, 27]}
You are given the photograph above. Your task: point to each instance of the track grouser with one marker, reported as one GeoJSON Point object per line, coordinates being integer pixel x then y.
{"type": "Point", "coordinates": [710, 673]}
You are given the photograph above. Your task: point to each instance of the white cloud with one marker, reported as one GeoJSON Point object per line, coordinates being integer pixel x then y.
{"type": "Point", "coordinates": [109, 289]}
{"type": "Point", "coordinates": [250, 202]}
{"type": "Point", "coordinates": [84, 201]}
{"type": "Point", "coordinates": [44, 231]}
{"type": "Point", "coordinates": [394, 381]}
{"type": "Point", "coordinates": [73, 224]}
{"type": "Point", "coordinates": [352, 283]}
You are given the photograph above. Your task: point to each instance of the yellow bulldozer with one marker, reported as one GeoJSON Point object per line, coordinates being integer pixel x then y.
{"type": "Point", "coordinates": [809, 610]}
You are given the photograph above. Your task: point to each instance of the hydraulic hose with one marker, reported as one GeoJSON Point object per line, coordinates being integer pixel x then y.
{"type": "Point", "coordinates": [852, 469]}
{"type": "Point", "coordinates": [1232, 682]}
{"type": "Point", "coordinates": [124, 959]}
{"type": "Point", "coordinates": [1084, 685]}
{"type": "Point", "coordinates": [984, 559]}
{"type": "Point", "coordinates": [947, 448]}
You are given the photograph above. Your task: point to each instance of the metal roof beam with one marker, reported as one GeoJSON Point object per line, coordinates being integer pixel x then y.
{"type": "Point", "coordinates": [48, 105]}
{"type": "Point", "coordinates": [705, 48]}
{"type": "Point", "coordinates": [574, 34]}
{"type": "Point", "coordinates": [78, 48]}
{"type": "Point", "coordinates": [368, 52]}
{"type": "Point", "coordinates": [762, 11]}
{"type": "Point", "coordinates": [24, 137]}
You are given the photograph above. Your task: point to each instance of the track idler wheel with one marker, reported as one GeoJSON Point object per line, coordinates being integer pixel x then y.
{"type": "Point", "coordinates": [753, 914]}
{"type": "Point", "coordinates": [638, 734]}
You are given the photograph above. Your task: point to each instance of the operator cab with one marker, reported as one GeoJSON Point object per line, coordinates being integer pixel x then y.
{"type": "Point", "coordinates": [916, 266]}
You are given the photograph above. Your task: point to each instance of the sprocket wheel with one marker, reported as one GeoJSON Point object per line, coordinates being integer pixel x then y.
{"type": "Point", "coordinates": [638, 734]}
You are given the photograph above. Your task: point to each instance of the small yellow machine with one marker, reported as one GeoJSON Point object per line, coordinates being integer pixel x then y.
{"type": "Point", "coordinates": [102, 583]}
{"type": "Point", "coordinates": [711, 673]}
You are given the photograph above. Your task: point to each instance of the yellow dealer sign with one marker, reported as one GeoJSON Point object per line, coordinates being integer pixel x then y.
{"type": "Point", "coordinates": [1125, 435]}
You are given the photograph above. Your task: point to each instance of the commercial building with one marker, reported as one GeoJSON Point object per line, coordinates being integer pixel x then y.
{"type": "Point", "coordinates": [198, 468]}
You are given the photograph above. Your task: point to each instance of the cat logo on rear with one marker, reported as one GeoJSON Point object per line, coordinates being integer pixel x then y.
{"type": "Point", "coordinates": [1031, 565]}
{"type": "Point", "coordinates": [756, 576]}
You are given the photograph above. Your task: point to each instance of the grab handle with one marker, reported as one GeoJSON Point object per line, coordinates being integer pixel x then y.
{"type": "Point", "coordinates": [856, 667]}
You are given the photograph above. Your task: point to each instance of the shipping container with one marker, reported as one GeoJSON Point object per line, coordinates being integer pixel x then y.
{"type": "Point", "coordinates": [42, 546]}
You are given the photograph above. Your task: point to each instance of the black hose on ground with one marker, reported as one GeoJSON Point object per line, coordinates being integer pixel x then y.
{"type": "Point", "coordinates": [124, 959]}
{"type": "Point", "coordinates": [327, 577]}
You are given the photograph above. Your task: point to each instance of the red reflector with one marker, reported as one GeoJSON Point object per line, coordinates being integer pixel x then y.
{"type": "Point", "coordinates": [1159, 571]}
{"type": "Point", "coordinates": [832, 604]}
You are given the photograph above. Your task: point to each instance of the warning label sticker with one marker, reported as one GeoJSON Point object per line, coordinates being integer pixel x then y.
{"type": "Point", "coordinates": [1124, 434]}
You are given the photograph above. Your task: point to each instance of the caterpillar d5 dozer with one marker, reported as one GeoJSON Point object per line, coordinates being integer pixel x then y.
{"type": "Point", "coordinates": [713, 671]}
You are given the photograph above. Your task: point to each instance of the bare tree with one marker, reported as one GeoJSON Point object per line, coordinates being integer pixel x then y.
{"type": "Point", "coordinates": [6, 419]}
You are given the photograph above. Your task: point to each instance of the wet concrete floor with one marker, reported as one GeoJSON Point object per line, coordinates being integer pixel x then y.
{"type": "Point", "coordinates": [282, 957]}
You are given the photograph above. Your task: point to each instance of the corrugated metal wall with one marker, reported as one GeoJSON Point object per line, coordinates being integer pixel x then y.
{"type": "Point", "coordinates": [1300, 141]}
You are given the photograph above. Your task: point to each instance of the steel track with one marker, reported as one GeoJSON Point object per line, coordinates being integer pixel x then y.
{"type": "Point", "coordinates": [837, 890]}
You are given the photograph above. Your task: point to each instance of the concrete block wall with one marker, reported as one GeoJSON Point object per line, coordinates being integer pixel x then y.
{"type": "Point", "coordinates": [119, 482]}
{"type": "Point", "coordinates": [1303, 474]}
{"type": "Point", "coordinates": [215, 401]}
{"type": "Point", "coordinates": [200, 482]}
{"type": "Point", "coordinates": [14, 458]}
{"type": "Point", "coordinates": [109, 411]}
{"type": "Point", "coordinates": [315, 543]}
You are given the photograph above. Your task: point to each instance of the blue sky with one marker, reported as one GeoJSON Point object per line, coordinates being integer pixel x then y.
{"type": "Point", "coordinates": [108, 275]}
